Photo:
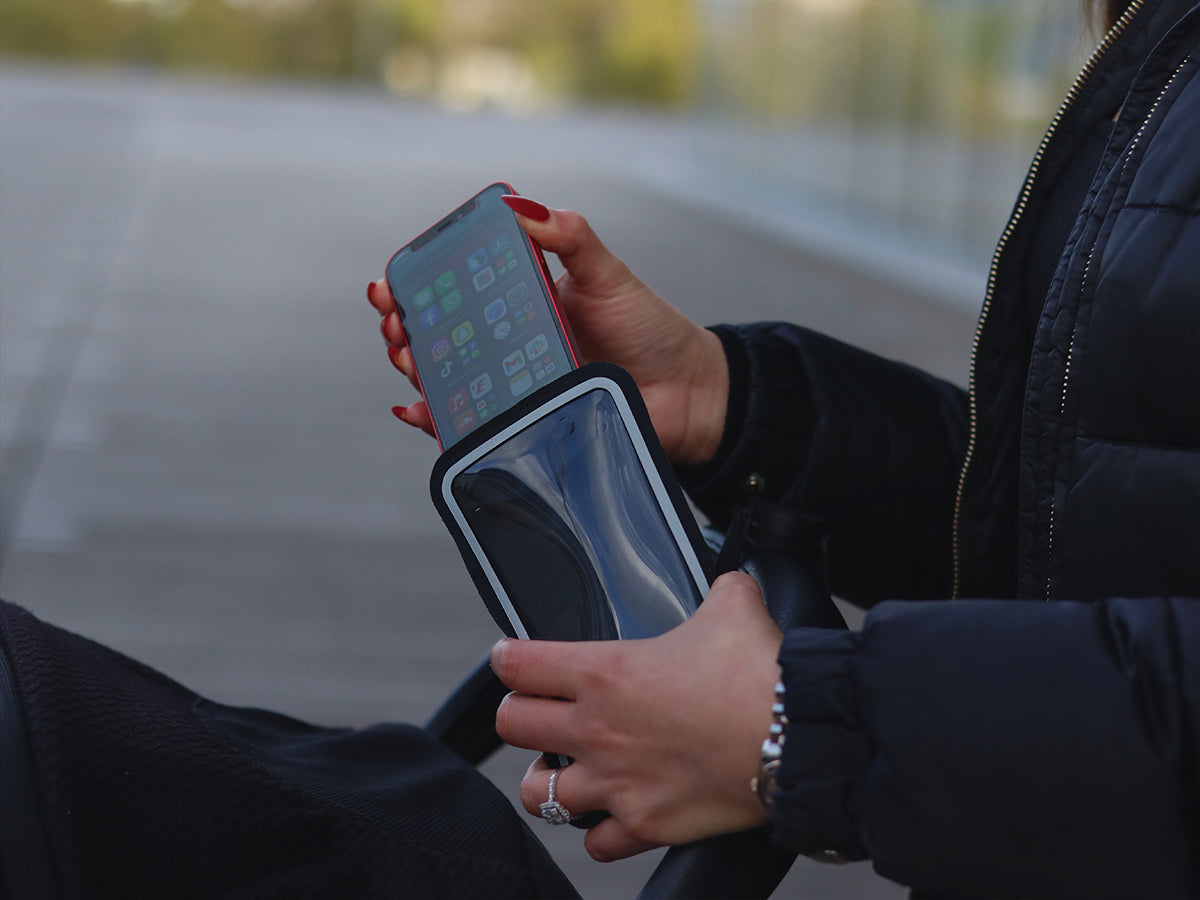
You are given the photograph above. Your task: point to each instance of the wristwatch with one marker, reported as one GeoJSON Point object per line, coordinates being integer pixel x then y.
{"type": "Point", "coordinates": [766, 783]}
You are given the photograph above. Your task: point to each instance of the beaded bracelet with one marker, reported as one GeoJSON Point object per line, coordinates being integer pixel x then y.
{"type": "Point", "coordinates": [764, 784]}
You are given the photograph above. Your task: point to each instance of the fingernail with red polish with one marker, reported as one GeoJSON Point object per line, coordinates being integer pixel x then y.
{"type": "Point", "coordinates": [394, 356]}
{"type": "Point", "coordinates": [523, 206]}
{"type": "Point", "coordinates": [399, 411]}
{"type": "Point", "coordinates": [371, 292]}
{"type": "Point", "coordinates": [383, 327]}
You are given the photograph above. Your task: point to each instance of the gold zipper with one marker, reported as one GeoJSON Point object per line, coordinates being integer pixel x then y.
{"type": "Point", "coordinates": [1066, 378]}
{"type": "Point", "coordinates": [1022, 202]}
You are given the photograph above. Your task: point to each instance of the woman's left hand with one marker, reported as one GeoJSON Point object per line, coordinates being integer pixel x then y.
{"type": "Point", "coordinates": [665, 733]}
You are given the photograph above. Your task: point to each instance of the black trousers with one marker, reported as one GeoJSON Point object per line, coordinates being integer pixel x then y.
{"type": "Point", "coordinates": [117, 782]}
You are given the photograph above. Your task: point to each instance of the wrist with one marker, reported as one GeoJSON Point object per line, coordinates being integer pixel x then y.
{"type": "Point", "coordinates": [708, 401]}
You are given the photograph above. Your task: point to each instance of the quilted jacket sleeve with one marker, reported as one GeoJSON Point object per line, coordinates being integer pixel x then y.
{"type": "Point", "coordinates": [871, 446]}
{"type": "Point", "coordinates": [1052, 746]}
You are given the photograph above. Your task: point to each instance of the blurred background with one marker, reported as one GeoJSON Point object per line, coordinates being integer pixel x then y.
{"type": "Point", "coordinates": [921, 112]}
{"type": "Point", "coordinates": [198, 463]}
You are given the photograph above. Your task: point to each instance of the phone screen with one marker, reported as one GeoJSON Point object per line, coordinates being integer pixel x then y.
{"type": "Point", "coordinates": [478, 310]}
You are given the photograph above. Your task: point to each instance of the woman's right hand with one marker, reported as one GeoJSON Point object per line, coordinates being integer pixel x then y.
{"type": "Point", "coordinates": [679, 366]}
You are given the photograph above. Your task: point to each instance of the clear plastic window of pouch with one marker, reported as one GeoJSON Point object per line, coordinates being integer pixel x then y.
{"type": "Point", "coordinates": [570, 521]}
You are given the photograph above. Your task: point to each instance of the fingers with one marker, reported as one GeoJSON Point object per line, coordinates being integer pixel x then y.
{"type": "Point", "coordinates": [608, 840]}
{"type": "Point", "coordinates": [393, 331]}
{"type": "Point", "coordinates": [380, 296]}
{"type": "Point", "coordinates": [416, 415]}
{"type": "Point", "coordinates": [568, 235]}
{"type": "Point", "coordinates": [535, 723]}
{"type": "Point", "coordinates": [733, 596]}
{"type": "Point", "coordinates": [542, 668]}
{"type": "Point", "coordinates": [402, 359]}
{"type": "Point", "coordinates": [735, 588]}
{"type": "Point", "coordinates": [570, 789]}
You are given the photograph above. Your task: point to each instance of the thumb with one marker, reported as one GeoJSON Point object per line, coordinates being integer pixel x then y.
{"type": "Point", "coordinates": [734, 606]}
{"type": "Point", "coordinates": [734, 591]}
{"type": "Point", "coordinates": [567, 234]}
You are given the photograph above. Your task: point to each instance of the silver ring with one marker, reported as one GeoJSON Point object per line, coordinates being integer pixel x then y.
{"type": "Point", "coordinates": [553, 811]}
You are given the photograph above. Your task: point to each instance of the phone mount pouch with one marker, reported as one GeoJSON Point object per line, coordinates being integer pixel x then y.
{"type": "Point", "coordinates": [569, 516]}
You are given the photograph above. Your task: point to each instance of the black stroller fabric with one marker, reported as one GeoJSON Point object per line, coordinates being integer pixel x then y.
{"type": "Point", "coordinates": [140, 788]}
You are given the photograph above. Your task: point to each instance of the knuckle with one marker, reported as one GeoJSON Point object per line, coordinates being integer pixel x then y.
{"type": "Point", "coordinates": [504, 718]}
{"type": "Point", "coordinates": [530, 798]}
{"type": "Point", "coordinates": [644, 826]}
{"type": "Point", "coordinates": [574, 226]}
{"type": "Point", "coordinates": [506, 661]}
{"type": "Point", "coordinates": [594, 734]}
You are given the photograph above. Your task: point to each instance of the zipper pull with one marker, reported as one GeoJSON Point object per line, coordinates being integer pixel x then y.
{"type": "Point", "coordinates": [733, 549]}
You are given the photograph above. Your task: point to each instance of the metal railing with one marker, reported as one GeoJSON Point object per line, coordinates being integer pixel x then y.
{"type": "Point", "coordinates": [922, 114]}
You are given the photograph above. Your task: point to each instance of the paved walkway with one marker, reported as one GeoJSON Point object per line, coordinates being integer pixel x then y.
{"type": "Point", "coordinates": [199, 464]}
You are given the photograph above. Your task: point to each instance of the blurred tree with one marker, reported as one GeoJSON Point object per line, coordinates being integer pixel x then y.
{"type": "Point", "coordinates": [317, 39]}
{"type": "Point", "coordinates": [613, 50]}
{"type": "Point", "coordinates": [640, 50]}
{"type": "Point", "coordinates": [211, 35]}
{"type": "Point", "coordinates": [70, 29]}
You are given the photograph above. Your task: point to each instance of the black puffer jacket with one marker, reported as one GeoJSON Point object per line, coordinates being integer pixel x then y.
{"type": "Point", "coordinates": [998, 749]}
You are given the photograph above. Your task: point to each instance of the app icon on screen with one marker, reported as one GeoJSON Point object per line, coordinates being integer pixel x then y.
{"type": "Point", "coordinates": [481, 385]}
{"type": "Point", "coordinates": [465, 422]}
{"type": "Point", "coordinates": [537, 347]}
{"type": "Point", "coordinates": [517, 296]}
{"type": "Point", "coordinates": [499, 244]}
{"type": "Point", "coordinates": [430, 317]}
{"type": "Point", "coordinates": [462, 334]}
{"type": "Point", "coordinates": [423, 297]}
{"type": "Point", "coordinates": [440, 349]}
{"type": "Point", "coordinates": [521, 384]}
{"type": "Point", "coordinates": [477, 260]}
{"type": "Point", "coordinates": [484, 279]}
{"type": "Point", "coordinates": [445, 282]}
{"type": "Point", "coordinates": [457, 402]}
{"type": "Point", "coordinates": [514, 362]}
{"type": "Point", "coordinates": [502, 330]}
{"type": "Point", "coordinates": [452, 301]}
{"type": "Point", "coordinates": [495, 311]}
{"type": "Point", "coordinates": [468, 353]}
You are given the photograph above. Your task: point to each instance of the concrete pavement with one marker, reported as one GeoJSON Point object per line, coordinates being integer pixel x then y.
{"type": "Point", "coordinates": [199, 464]}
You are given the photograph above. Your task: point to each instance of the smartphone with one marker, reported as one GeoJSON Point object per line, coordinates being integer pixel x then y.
{"type": "Point", "coordinates": [481, 314]}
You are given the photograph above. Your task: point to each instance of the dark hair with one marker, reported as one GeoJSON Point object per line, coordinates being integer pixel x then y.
{"type": "Point", "coordinates": [1104, 13]}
